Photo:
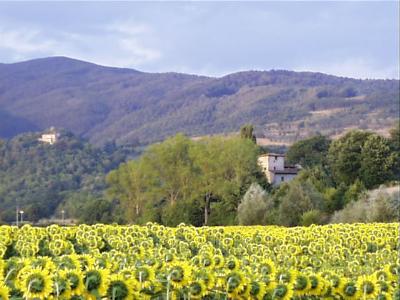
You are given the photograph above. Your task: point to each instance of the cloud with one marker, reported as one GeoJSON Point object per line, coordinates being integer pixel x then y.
{"type": "Point", "coordinates": [117, 44]}
{"type": "Point", "coordinates": [362, 68]}
{"type": "Point", "coordinates": [24, 42]}
{"type": "Point", "coordinates": [129, 38]}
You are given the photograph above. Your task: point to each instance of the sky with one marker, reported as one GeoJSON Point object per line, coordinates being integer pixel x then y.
{"type": "Point", "coordinates": [352, 39]}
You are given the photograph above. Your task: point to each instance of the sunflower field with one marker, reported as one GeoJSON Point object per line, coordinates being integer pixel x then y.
{"type": "Point", "coordinates": [353, 261]}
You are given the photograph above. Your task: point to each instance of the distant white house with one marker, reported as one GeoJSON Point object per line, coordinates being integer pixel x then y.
{"type": "Point", "coordinates": [273, 166]}
{"type": "Point", "coordinates": [51, 137]}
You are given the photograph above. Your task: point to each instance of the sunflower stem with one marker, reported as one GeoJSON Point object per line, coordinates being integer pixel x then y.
{"type": "Point", "coordinates": [113, 293]}
{"type": "Point", "coordinates": [140, 279]}
{"type": "Point", "coordinates": [365, 291]}
{"type": "Point", "coordinates": [168, 283]}
{"type": "Point", "coordinates": [29, 288]}
{"type": "Point", "coordinates": [57, 290]}
{"type": "Point", "coordinates": [8, 274]}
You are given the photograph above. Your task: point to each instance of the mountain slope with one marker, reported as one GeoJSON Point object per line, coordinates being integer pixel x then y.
{"type": "Point", "coordinates": [128, 106]}
{"type": "Point", "coordinates": [38, 177]}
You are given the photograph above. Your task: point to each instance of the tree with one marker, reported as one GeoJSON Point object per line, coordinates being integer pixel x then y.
{"type": "Point", "coordinates": [129, 183]}
{"type": "Point", "coordinates": [344, 156]}
{"type": "Point", "coordinates": [376, 165]}
{"type": "Point", "coordinates": [299, 198]}
{"type": "Point", "coordinates": [180, 177]}
{"type": "Point", "coordinates": [354, 191]}
{"type": "Point", "coordinates": [254, 206]}
{"type": "Point", "coordinates": [309, 152]}
{"type": "Point", "coordinates": [223, 168]}
{"type": "Point", "coordinates": [171, 168]}
{"type": "Point", "coordinates": [394, 142]}
{"type": "Point", "coordinates": [247, 132]}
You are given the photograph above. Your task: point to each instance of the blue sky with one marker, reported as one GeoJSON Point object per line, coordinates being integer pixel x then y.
{"type": "Point", "coordinates": [354, 39]}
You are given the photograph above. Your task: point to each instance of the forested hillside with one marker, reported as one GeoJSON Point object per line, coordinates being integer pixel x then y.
{"type": "Point", "coordinates": [130, 107]}
{"type": "Point", "coordinates": [39, 177]}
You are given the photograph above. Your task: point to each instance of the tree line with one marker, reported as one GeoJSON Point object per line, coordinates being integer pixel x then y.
{"type": "Point", "coordinates": [211, 181]}
{"type": "Point", "coordinates": [216, 180]}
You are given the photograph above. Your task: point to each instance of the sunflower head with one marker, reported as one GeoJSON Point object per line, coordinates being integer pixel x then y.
{"type": "Point", "coordinates": [367, 286]}
{"type": "Point", "coordinates": [349, 290]}
{"type": "Point", "coordinates": [179, 274]}
{"type": "Point", "coordinates": [74, 280]}
{"type": "Point", "coordinates": [119, 288]}
{"type": "Point", "coordinates": [96, 281]}
{"type": "Point", "coordinates": [34, 283]}
{"type": "Point", "coordinates": [197, 289]}
{"type": "Point", "coordinates": [282, 291]}
{"type": "Point", "coordinates": [4, 291]}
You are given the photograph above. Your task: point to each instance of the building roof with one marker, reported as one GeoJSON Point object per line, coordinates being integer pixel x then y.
{"type": "Point", "coordinates": [286, 171]}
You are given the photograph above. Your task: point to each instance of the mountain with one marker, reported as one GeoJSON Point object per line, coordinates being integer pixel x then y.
{"type": "Point", "coordinates": [131, 107]}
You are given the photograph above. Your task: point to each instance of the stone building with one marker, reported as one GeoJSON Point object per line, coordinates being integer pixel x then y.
{"type": "Point", "coordinates": [274, 168]}
{"type": "Point", "coordinates": [51, 137]}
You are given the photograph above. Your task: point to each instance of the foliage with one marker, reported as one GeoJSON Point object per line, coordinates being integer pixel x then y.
{"type": "Point", "coordinates": [338, 261]}
{"type": "Point", "coordinates": [309, 152]}
{"type": "Point", "coordinates": [247, 132]}
{"type": "Point", "coordinates": [180, 171]}
{"type": "Point", "coordinates": [364, 156]}
{"type": "Point", "coordinates": [376, 163]}
{"type": "Point", "coordinates": [345, 156]}
{"type": "Point", "coordinates": [310, 217]}
{"type": "Point", "coordinates": [354, 192]}
{"type": "Point", "coordinates": [381, 205]}
{"type": "Point", "coordinates": [299, 198]}
{"type": "Point", "coordinates": [39, 177]}
{"type": "Point", "coordinates": [254, 206]}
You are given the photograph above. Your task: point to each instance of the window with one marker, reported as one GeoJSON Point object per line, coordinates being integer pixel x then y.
{"type": "Point", "coordinates": [276, 157]}
{"type": "Point", "coordinates": [274, 168]}
{"type": "Point", "coordinates": [282, 178]}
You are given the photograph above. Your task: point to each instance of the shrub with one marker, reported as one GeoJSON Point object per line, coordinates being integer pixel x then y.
{"type": "Point", "coordinates": [310, 217]}
{"type": "Point", "coordinates": [254, 206]}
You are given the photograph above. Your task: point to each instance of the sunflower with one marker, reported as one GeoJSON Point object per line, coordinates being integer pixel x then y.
{"type": "Point", "coordinates": [75, 281]}
{"type": "Point", "coordinates": [85, 261]}
{"type": "Point", "coordinates": [382, 275]}
{"type": "Point", "coordinates": [179, 274]}
{"type": "Point", "coordinates": [34, 283]}
{"type": "Point", "coordinates": [143, 276]}
{"type": "Point", "coordinates": [68, 262]}
{"type": "Point", "coordinates": [349, 291]}
{"type": "Point", "coordinates": [256, 290]}
{"type": "Point", "coordinates": [285, 276]}
{"type": "Point", "coordinates": [283, 291]}
{"type": "Point", "coordinates": [336, 283]}
{"type": "Point", "coordinates": [4, 291]}
{"type": "Point", "coordinates": [232, 263]}
{"type": "Point", "coordinates": [301, 285]}
{"type": "Point", "coordinates": [267, 267]}
{"type": "Point", "coordinates": [119, 288]}
{"type": "Point", "coordinates": [367, 287]}
{"type": "Point", "coordinates": [394, 271]}
{"type": "Point", "coordinates": [197, 289]}
{"type": "Point", "coordinates": [96, 282]}
{"type": "Point", "coordinates": [234, 283]}
{"type": "Point", "coordinates": [318, 286]}
{"type": "Point", "coordinates": [385, 287]}
{"type": "Point", "coordinates": [61, 288]}
{"type": "Point", "coordinates": [218, 261]}
{"type": "Point", "coordinates": [206, 277]}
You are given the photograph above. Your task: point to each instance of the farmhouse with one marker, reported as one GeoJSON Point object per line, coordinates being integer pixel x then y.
{"type": "Point", "coordinates": [50, 138]}
{"type": "Point", "coordinates": [273, 166]}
